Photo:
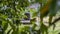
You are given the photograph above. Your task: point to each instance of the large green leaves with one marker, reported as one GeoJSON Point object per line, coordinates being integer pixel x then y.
{"type": "Point", "coordinates": [53, 7]}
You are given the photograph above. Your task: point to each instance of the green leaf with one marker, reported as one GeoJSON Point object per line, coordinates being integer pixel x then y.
{"type": "Point", "coordinates": [5, 27]}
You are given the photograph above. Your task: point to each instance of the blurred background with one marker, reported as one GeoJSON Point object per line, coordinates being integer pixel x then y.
{"type": "Point", "coordinates": [29, 16]}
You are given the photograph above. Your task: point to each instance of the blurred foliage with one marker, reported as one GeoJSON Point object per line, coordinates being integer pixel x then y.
{"type": "Point", "coordinates": [12, 12]}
